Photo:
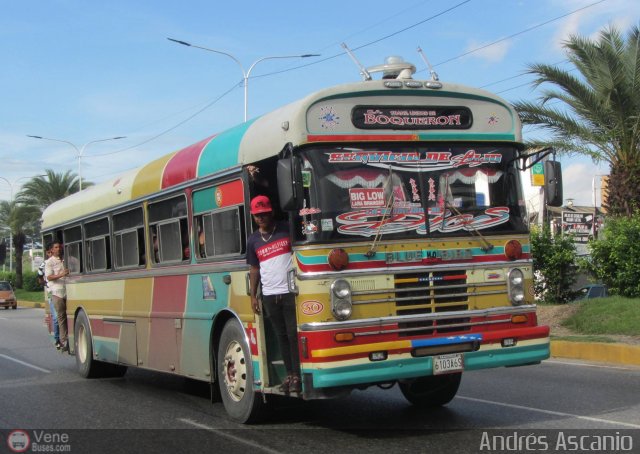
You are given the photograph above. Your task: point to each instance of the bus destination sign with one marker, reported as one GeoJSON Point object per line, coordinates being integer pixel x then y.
{"type": "Point", "coordinates": [411, 117]}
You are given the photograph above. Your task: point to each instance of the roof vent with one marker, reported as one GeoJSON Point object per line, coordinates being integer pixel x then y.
{"type": "Point", "coordinates": [394, 67]}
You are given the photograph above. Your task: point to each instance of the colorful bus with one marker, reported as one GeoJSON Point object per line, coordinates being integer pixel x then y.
{"type": "Point", "coordinates": [412, 258]}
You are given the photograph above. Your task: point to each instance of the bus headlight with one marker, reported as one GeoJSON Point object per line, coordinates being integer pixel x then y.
{"type": "Point", "coordinates": [515, 283]}
{"type": "Point", "coordinates": [341, 306]}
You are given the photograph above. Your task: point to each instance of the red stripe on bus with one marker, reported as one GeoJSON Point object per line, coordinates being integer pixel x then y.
{"type": "Point", "coordinates": [183, 165]}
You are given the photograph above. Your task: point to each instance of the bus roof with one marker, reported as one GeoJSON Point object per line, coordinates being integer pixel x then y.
{"type": "Point", "coordinates": [377, 110]}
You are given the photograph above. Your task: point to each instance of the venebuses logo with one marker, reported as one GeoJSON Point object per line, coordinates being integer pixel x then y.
{"type": "Point", "coordinates": [18, 441]}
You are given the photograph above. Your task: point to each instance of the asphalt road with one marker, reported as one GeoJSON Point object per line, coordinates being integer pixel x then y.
{"type": "Point", "coordinates": [41, 394]}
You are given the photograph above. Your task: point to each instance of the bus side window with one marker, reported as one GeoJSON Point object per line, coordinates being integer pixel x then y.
{"type": "Point", "coordinates": [221, 233]}
{"type": "Point", "coordinates": [128, 239]}
{"type": "Point", "coordinates": [97, 244]}
{"type": "Point", "coordinates": [168, 229]}
{"type": "Point", "coordinates": [73, 249]}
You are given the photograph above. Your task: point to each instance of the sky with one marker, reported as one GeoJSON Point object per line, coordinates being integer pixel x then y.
{"type": "Point", "coordinates": [84, 71]}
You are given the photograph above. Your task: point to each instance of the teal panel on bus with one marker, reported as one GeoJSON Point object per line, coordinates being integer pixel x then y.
{"type": "Point", "coordinates": [204, 200]}
{"type": "Point", "coordinates": [206, 295]}
{"type": "Point", "coordinates": [222, 151]}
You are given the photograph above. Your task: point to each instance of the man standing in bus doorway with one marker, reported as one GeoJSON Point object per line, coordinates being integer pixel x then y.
{"type": "Point", "coordinates": [269, 254]}
{"type": "Point", "coordinates": [52, 310]}
{"type": "Point", "coordinates": [55, 274]}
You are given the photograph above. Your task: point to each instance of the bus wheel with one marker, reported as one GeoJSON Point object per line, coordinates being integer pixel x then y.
{"type": "Point", "coordinates": [86, 365]}
{"type": "Point", "coordinates": [235, 375]}
{"type": "Point", "coordinates": [431, 391]}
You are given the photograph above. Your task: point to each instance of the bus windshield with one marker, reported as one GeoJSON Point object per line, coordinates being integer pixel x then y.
{"type": "Point", "coordinates": [354, 193]}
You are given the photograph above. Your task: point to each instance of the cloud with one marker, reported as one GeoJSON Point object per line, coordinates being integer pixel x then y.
{"type": "Point", "coordinates": [589, 22]}
{"type": "Point", "coordinates": [578, 182]}
{"type": "Point", "coordinates": [492, 54]}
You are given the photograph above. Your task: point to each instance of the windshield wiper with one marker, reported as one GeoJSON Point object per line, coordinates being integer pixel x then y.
{"type": "Point", "coordinates": [486, 245]}
{"type": "Point", "coordinates": [387, 189]}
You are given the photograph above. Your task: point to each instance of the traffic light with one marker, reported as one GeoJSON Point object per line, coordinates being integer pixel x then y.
{"type": "Point", "coordinates": [3, 252]}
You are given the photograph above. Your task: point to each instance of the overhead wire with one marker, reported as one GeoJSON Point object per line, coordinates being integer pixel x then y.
{"type": "Point", "coordinates": [315, 62]}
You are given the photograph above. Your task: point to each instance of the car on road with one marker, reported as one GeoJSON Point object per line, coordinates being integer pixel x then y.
{"type": "Point", "coordinates": [7, 297]}
{"type": "Point", "coordinates": [592, 291]}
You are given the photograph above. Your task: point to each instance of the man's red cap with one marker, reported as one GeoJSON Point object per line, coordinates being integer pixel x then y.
{"type": "Point", "coordinates": [260, 204]}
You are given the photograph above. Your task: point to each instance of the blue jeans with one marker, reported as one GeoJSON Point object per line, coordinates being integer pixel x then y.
{"type": "Point", "coordinates": [54, 320]}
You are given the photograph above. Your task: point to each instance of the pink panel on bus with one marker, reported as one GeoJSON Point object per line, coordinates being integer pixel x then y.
{"type": "Point", "coordinates": [165, 338]}
{"type": "Point", "coordinates": [183, 166]}
{"type": "Point", "coordinates": [102, 329]}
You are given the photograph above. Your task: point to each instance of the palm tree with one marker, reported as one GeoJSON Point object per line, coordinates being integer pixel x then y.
{"type": "Point", "coordinates": [42, 191]}
{"type": "Point", "coordinates": [23, 215]}
{"type": "Point", "coordinates": [17, 218]}
{"type": "Point", "coordinates": [599, 110]}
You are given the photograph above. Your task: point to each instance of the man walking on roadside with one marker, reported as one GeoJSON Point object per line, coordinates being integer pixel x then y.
{"type": "Point", "coordinates": [56, 274]}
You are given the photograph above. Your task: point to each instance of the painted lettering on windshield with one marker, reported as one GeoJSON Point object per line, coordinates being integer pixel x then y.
{"type": "Point", "coordinates": [368, 223]}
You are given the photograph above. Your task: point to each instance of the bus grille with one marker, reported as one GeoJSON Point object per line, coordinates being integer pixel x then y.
{"type": "Point", "coordinates": [426, 293]}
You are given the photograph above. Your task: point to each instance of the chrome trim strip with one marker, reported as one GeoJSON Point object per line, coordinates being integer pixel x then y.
{"type": "Point", "coordinates": [430, 328]}
{"type": "Point", "coordinates": [118, 321]}
{"type": "Point", "coordinates": [434, 297]}
{"type": "Point", "coordinates": [382, 321]}
{"type": "Point", "coordinates": [427, 288]}
{"type": "Point", "coordinates": [420, 268]}
{"type": "Point", "coordinates": [139, 273]}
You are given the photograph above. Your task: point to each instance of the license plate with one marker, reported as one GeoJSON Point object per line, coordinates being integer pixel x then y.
{"type": "Point", "coordinates": [447, 364]}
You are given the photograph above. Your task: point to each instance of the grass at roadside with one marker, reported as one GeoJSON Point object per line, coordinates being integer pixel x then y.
{"type": "Point", "coordinates": [24, 295]}
{"type": "Point", "coordinates": [602, 316]}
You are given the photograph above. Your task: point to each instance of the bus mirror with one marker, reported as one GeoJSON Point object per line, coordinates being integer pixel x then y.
{"type": "Point", "coordinates": [553, 183]}
{"type": "Point", "coordinates": [290, 188]}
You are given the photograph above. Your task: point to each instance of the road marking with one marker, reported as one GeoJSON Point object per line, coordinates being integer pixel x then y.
{"type": "Point", "coordinates": [3, 318]}
{"type": "Point", "coordinates": [226, 435]}
{"type": "Point", "coordinates": [25, 364]}
{"type": "Point", "coordinates": [601, 366]}
{"type": "Point", "coordinates": [551, 412]}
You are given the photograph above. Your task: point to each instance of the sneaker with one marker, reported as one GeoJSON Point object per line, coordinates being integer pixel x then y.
{"type": "Point", "coordinates": [295, 386]}
{"type": "Point", "coordinates": [58, 345]}
{"type": "Point", "coordinates": [284, 387]}
{"type": "Point", "coordinates": [65, 347]}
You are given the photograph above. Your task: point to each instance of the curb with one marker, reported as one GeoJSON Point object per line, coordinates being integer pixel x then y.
{"type": "Point", "coordinates": [624, 354]}
{"type": "Point", "coordinates": [595, 351]}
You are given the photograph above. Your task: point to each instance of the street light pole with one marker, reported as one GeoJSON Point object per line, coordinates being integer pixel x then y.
{"type": "Point", "coordinates": [79, 151]}
{"type": "Point", "coordinates": [245, 74]}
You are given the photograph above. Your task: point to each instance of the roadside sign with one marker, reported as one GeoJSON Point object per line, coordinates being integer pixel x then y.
{"type": "Point", "coordinates": [579, 224]}
{"type": "Point", "coordinates": [537, 174]}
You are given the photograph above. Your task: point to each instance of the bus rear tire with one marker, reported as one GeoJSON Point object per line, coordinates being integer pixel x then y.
{"type": "Point", "coordinates": [235, 376]}
{"type": "Point", "coordinates": [86, 365]}
{"type": "Point", "coordinates": [433, 391]}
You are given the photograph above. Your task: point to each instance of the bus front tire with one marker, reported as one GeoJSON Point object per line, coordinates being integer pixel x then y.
{"type": "Point", "coordinates": [433, 391]}
{"type": "Point", "coordinates": [86, 365]}
{"type": "Point", "coordinates": [235, 376]}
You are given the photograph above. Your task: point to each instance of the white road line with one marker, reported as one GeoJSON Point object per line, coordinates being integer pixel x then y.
{"type": "Point", "coordinates": [3, 318]}
{"type": "Point", "coordinates": [227, 435]}
{"type": "Point", "coordinates": [551, 412]}
{"type": "Point", "coordinates": [25, 364]}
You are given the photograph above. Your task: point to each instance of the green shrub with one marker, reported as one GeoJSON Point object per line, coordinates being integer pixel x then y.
{"type": "Point", "coordinates": [30, 281]}
{"type": "Point", "coordinates": [554, 266]}
{"type": "Point", "coordinates": [7, 276]}
{"type": "Point", "coordinates": [615, 256]}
